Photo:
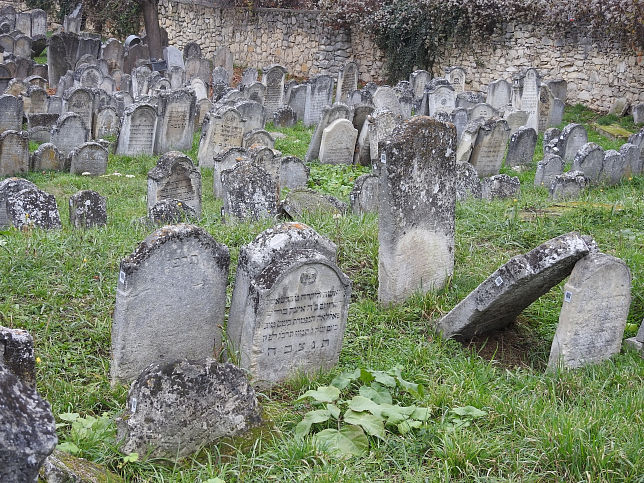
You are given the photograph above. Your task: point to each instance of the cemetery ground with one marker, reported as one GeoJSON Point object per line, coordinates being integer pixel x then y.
{"type": "Point", "coordinates": [585, 424]}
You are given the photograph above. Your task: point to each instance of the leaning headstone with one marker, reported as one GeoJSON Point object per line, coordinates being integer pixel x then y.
{"type": "Point", "coordinates": [568, 185]}
{"type": "Point", "coordinates": [590, 161]}
{"type": "Point", "coordinates": [249, 76]}
{"type": "Point", "coordinates": [497, 302]}
{"type": "Point", "coordinates": [500, 186]}
{"type": "Point", "coordinates": [175, 124]}
{"type": "Point", "coordinates": [329, 114]}
{"type": "Point", "coordinates": [591, 325]}
{"type": "Point", "coordinates": [516, 119]}
{"type": "Point", "coordinates": [364, 195]}
{"type": "Point", "coordinates": [87, 209]}
{"type": "Point", "coordinates": [11, 113]}
{"type": "Point", "coordinates": [547, 169]}
{"type": "Point", "coordinates": [289, 308]}
{"type": "Point", "coordinates": [338, 142]}
{"type": "Point", "coordinates": [529, 100]}
{"type": "Point", "coordinates": [89, 158]}
{"type": "Point", "coordinates": [293, 173]}
{"type": "Point", "coordinates": [138, 130]}
{"type": "Point", "coordinates": [638, 113]}
{"type": "Point", "coordinates": [222, 129]}
{"type": "Point", "coordinates": [249, 192]}
{"type": "Point", "coordinates": [319, 94]}
{"type": "Point", "coordinates": [175, 177]}
{"type": "Point", "coordinates": [273, 79]}
{"type": "Point", "coordinates": [521, 147]}
{"type": "Point", "coordinates": [256, 92]}
{"type": "Point", "coordinates": [32, 207]}
{"type": "Point", "coordinates": [306, 200]}
{"type": "Point", "coordinates": [175, 408]}
{"type": "Point", "coordinates": [416, 212]}
{"type": "Point", "coordinates": [170, 300]}
{"type": "Point", "coordinates": [468, 183]}
{"type": "Point", "coordinates": [27, 429]}
{"type": "Point", "coordinates": [18, 354]}
{"type": "Point", "coordinates": [381, 125]}
{"type": "Point", "coordinates": [254, 114]}
{"type": "Point", "coordinates": [489, 147]}
{"type": "Point", "coordinates": [347, 82]}
{"type": "Point", "coordinates": [14, 153]}
{"type": "Point", "coordinates": [572, 138]}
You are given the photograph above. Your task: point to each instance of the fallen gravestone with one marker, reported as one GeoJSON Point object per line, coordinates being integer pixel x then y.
{"type": "Point", "coordinates": [170, 300]}
{"type": "Point", "coordinates": [497, 302]}
{"type": "Point", "coordinates": [175, 178]}
{"type": "Point", "coordinates": [87, 209]}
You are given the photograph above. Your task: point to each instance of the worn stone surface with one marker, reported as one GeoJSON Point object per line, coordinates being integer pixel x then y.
{"type": "Point", "coordinates": [590, 161]}
{"type": "Point", "coordinates": [249, 192]}
{"type": "Point", "coordinates": [329, 114]}
{"type": "Point", "coordinates": [223, 161]}
{"type": "Point", "coordinates": [284, 117]}
{"type": "Point", "coordinates": [32, 207]}
{"type": "Point", "coordinates": [62, 467]}
{"type": "Point", "coordinates": [548, 168]}
{"type": "Point", "coordinates": [289, 307]}
{"type": "Point", "coordinates": [572, 138]}
{"type": "Point", "coordinates": [222, 129]}
{"type": "Point", "coordinates": [319, 94]}
{"type": "Point", "coordinates": [170, 300]}
{"type": "Point", "coordinates": [9, 187]}
{"type": "Point", "coordinates": [613, 167]}
{"type": "Point", "coordinates": [568, 185]}
{"type": "Point", "coordinates": [170, 212]}
{"type": "Point", "coordinates": [273, 78]}
{"type": "Point", "coordinates": [27, 429]}
{"type": "Point", "coordinates": [416, 209]}
{"type": "Point", "coordinates": [301, 200]}
{"type": "Point", "coordinates": [381, 125]}
{"type": "Point", "coordinates": [338, 142]}
{"type": "Point", "coordinates": [364, 195]}
{"type": "Point", "coordinates": [500, 186]}
{"type": "Point", "coordinates": [175, 408]}
{"type": "Point", "coordinates": [87, 209]}
{"type": "Point", "coordinates": [70, 131]}
{"type": "Point", "coordinates": [467, 182]}
{"type": "Point", "coordinates": [497, 302]}
{"type": "Point", "coordinates": [293, 173]}
{"type": "Point", "coordinates": [106, 123]}
{"type": "Point", "coordinates": [489, 148]}
{"type": "Point", "coordinates": [175, 177]}
{"type": "Point", "coordinates": [593, 316]}
{"type": "Point", "coordinates": [521, 147]}
{"type": "Point", "coordinates": [175, 123]}
{"type": "Point", "coordinates": [11, 112]}
{"type": "Point", "coordinates": [550, 134]}
{"type": "Point", "coordinates": [499, 94]}
{"type": "Point", "coordinates": [138, 130]}
{"type": "Point", "coordinates": [89, 158]}
{"type": "Point", "coordinates": [347, 82]}
{"type": "Point", "coordinates": [385, 98]}
{"type": "Point", "coordinates": [17, 348]}
{"type": "Point", "coordinates": [259, 137]}
{"type": "Point", "coordinates": [14, 153]}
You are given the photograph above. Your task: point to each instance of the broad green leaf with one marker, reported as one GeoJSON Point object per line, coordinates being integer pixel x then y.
{"type": "Point", "coordinates": [384, 378]}
{"type": "Point", "coordinates": [397, 414]}
{"type": "Point", "coordinates": [470, 412]}
{"type": "Point", "coordinates": [131, 458]}
{"type": "Point", "coordinates": [333, 410]}
{"type": "Point", "coordinates": [69, 416]}
{"type": "Point", "coordinates": [416, 389]}
{"type": "Point", "coordinates": [322, 394]}
{"type": "Point", "coordinates": [366, 376]}
{"type": "Point", "coordinates": [68, 447]}
{"type": "Point", "coordinates": [361, 403]}
{"type": "Point", "coordinates": [421, 414]}
{"type": "Point", "coordinates": [373, 425]}
{"type": "Point", "coordinates": [343, 380]}
{"type": "Point", "coordinates": [349, 441]}
{"type": "Point", "coordinates": [376, 393]}
{"type": "Point", "coordinates": [214, 480]}
{"type": "Point", "coordinates": [405, 427]}
{"type": "Point", "coordinates": [310, 418]}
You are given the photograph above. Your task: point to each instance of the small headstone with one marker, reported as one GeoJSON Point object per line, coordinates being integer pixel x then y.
{"type": "Point", "coordinates": [456, 77]}
{"type": "Point", "coordinates": [138, 130]}
{"type": "Point", "coordinates": [572, 138]}
{"type": "Point", "coordinates": [175, 408]}
{"type": "Point", "coordinates": [338, 142]}
{"type": "Point", "coordinates": [489, 148]}
{"type": "Point", "coordinates": [87, 209]}
{"type": "Point", "coordinates": [70, 131]}
{"type": "Point", "coordinates": [548, 168]}
{"type": "Point", "coordinates": [381, 125]}
{"type": "Point", "coordinates": [468, 99]}
{"type": "Point", "coordinates": [249, 192]}
{"type": "Point", "coordinates": [175, 178]}
{"type": "Point", "coordinates": [521, 147]}
{"type": "Point", "coordinates": [14, 153]}
{"type": "Point", "coordinates": [593, 316]}
{"type": "Point", "coordinates": [613, 168]}
{"type": "Point", "coordinates": [284, 117]}
{"type": "Point", "coordinates": [632, 160]}
{"type": "Point", "coordinates": [638, 113]}
{"type": "Point", "coordinates": [497, 302]}
{"type": "Point", "coordinates": [516, 119]}
{"type": "Point", "coordinates": [482, 110]}
{"type": "Point", "coordinates": [636, 343]}
{"type": "Point", "coordinates": [500, 186]}
{"type": "Point", "coordinates": [89, 158]}
{"type": "Point", "coordinates": [293, 173]}
{"type": "Point", "coordinates": [223, 161]}
{"type": "Point", "coordinates": [302, 200]}
{"type": "Point", "coordinates": [468, 183]}
{"type": "Point", "coordinates": [590, 161]}
{"type": "Point", "coordinates": [191, 50]}
{"type": "Point", "coordinates": [9, 187]}
{"type": "Point", "coordinates": [170, 212]}
{"type": "Point", "coordinates": [568, 185]}
{"type": "Point", "coordinates": [364, 195]}
{"type": "Point", "coordinates": [32, 207]}
{"type": "Point", "coordinates": [551, 134]}
{"type": "Point", "coordinates": [416, 211]}
{"type": "Point", "coordinates": [289, 308]}
{"type": "Point", "coordinates": [18, 354]}
{"type": "Point", "coordinates": [256, 92]}
{"type": "Point", "coordinates": [259, 137]}
{"type": "Point", "coordinates": [170, 300]}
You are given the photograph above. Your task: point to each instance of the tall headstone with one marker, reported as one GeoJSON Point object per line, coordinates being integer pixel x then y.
{"type": "Point", "coordinates": [175, 178]}
{"type": "Point", "coordinates": [81, 101]}
{"type": "Point", "coordinates": [273, 79]}
{"type": "Point", "coordinates": [529, 101]}
{"type": "Point", "coordinates": [249, 192]}
{"type": "Point", "coordinates": [222, 129]}
{"type": "Point", "coordinates": [347, 82]}
{"type": "Point", "coordinates": [416, 209]}
{"type": "Point", "coordinates": [175, 124]}
{"type": "Point", "coordinates": [489, 147]}
{"type": "Point", "coordinates": [319, 95]}
{"type": "Point", "coordinates": [418, 80]}
{"type": "Point", "coordinates": [170, 300]}
{"type": "Point", "coordinates": [338, 142]}
{"type": "Point", "coordinates": [14, 153]}
{"type": "Point", "coordinates": [289, 308]}
{"type": "Point", "coordinates": [11, 113]}
{"type": "Point", "coordinates": [138, 130]}
{"type": "Point", "coordinates": [106, 122]}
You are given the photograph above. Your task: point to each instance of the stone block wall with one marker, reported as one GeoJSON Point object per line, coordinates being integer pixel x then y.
{"type": "Point", "coordinates": [597, 71]}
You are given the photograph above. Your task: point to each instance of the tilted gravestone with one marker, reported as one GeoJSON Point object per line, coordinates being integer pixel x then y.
{"type": "Point", "coordinates": [70, 131]}
{"type": "Point", "coordinates": [273, 79]}
{"type": "Point", "coordinates": [87, 209]}
{"type": "Point", "coordinates": [27, 429]}
{"type": "Point", "coordinates": [338, 142]}
{"type": "Point", "coordinates": [138, 130]}
{"type": "Point", "coordinates": [329, 114]}
{"type": "Point", "coordinates": [416, 209]}
{"type": "Point", "coordinates": [289, 308]}
{"type": "Point", "coordinates": [590, 161]}
{"type": "Point", "coordinates": [497, 302]}
{"type": "Point", "coordinates": [284, 117]}
{"type": "Point", "coordinates": [249, 192]}
{"type": "Point", "coordinates": [418, 80]}
{"type": "Point", "coordinates": [253, 113]}
{"type": "Point", "coordinates": [456, 77]}
{"type": "Point", "coordinates": [591, 325]}
{"type": "Point", "coordinates": [222, 129]}
{"type": "Point", "coordinates": [89, 158]}
{"type": "Point", "coordinates": [11, 113]}
{"type": "Point", "coordinates": [347, 82]}
{"type": "Point", "coordinates": [175, 177]}
{"type": "Point", "coordinates": [170, 300]}
{"type": "Point", "coordinates": [613, 168]}
{"type": "Point", "coordinates": [568, 185]}
{"type": "Point", "coordinates": [256, 92]}
{"type": "Point", "coordinates": [32, 207]}
{"type": "Point", "coordinates": [14, 153]}
{"type": "Point", "coordinates": [572, 138]}
{"type": "Point", "coordinates": [364, 195]}
{"type": "Point", "coordinates": [632, 160]}
{"type": "Point", "coordinates": [521, 147]}
{"type": "Point", "coordinates": [175, 124]}
{"type": "Point", "coordinates": [175, 408]}
{"type": "Point", "coordinates": [489, 148]}
{"type": "Point", "coordinates": [381, 125]}
{"type": "Point", "coordinates": [547, 169]}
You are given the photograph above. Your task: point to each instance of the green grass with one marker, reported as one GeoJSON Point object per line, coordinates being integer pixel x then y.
{"type": "Point", "coordinates": [580, 425]}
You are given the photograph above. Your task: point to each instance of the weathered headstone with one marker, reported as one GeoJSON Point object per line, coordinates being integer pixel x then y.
{"type": "Point", "coordinates": [106, 122]}
{"type": "Point", "coordinates": [249, 192]}
{"type": "Point", "coordinates": [456, 77]}
{"type": "Point", "coordinates": [441, 98]}
{"type": "Point", "coordinates": [364, 195]}
{"type": "Point", "coordinates": [11, 113]}
{"type": "Point", "coordinates": [385, 98]}
{"type": "Point", "coordinates": [468, 183]}
{"type": "Point", "coordinates": [590, 161]}
{"type": "Point", "coordinates": [418, 80]}
{"type": "Point", "coordinates": [347, 82]}
{"type": "Point", "coordinates": [191, 50]}
{"type": "Point", "coordinates": [175, 177]}
{"type": "Point", "coordinates": [632, 161]}
{"type": "Point", "coordinates": [547, 169]}
{"type": "Point", "coordinates": [259, 137]}
{"type": "Point", "coordinates": [516, 119]}
{"type": "Point", "coordinates": [9, 187]}
{"type": "Point", "coordinates": [14, 153]}
{"type": "Point", "coordinates": [381, 125]}
{"type": "Point", "coordinates": [521, 147]}
{"type": "Point", "coordinates": [170, 300]}
{"type": "Point", "coordinates": [613, 167]}
{"type": "Point", "coordinates": [481, 110]}
{"type": "Point", "coordinates": [80, 101]}
{"type": "Point", "coordinates": [306, 200]}
{"type": "Point", "coordinates": [89, 158]}
{"type": "Point", "coordinates": [499, 95]}
{"type": "Point", "coordinates": [256, 92]}
{"type": "Point", "coordinates": [87, 209]}
{"type": "Point", "coordinates": [289, 308]}
{"type": "Point", "coordinates": [293, 173]}
{"type": "Point", "coordinates": [497, 302]}
{"type": "Point", "coordinates": [175, 124]}
{"type": "Point", "coordinates": [500, 186]}
{"type": "Point", "coordinates": [572, 138]}
{"type": "Point", "coordinates": [591, 325]}
{"type": "Point", "coordinates": [528, 83]}
{"type": "Point", "coordinates": [489, 148]}
{"type": "Point", "coordinates": [568, 185]}
{"type": "Point", "coordinates": [318, 95]}
{"type": "Point", "coordinates": [138, 130]}
{"type": "Point", "coordinates": [222, 129]}
{"type": "Point", "coordinates": [18, 354]}
{"type": "Point", "coordinates": [32, 207]}
{"type": "Point", "coordinates": [253, 112]}
{"type": "Point", "coordinates": [170, 212]}
{"type": "Point", "coordinates": [338, 142]}
{"type": "Point", "coordinates": [416, 209]}
{"type": "Point", "coordinates": [273, 79]}
{"type": "Point", "coordinates": [284, 117]}
{"type": "Point", "coordinates": [249, 76]}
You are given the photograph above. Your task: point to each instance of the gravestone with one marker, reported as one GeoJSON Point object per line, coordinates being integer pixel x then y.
{"type": "Point", "coordinates": [559, 88]}
{"type": "Point", "coordinates": [293, 173]}
{"type": "Point", "coordinates": [22, 47]}
{"type": "Point", "coordinates": [530, 97]}
{"type": "Point", "coordinates": [32, 207]}
{"type": "Point", "coordinates": [297, 99]}
{"type": "Point", "coordinates": [551, 134]}
{"type": "Point", "coordinates": [18, 354]}
{"type": "Point", "coordinates": [481, 111]}
{"type": "Point", "coordinates": [38, 100]}
{"type": "Point", "coordinates": [173, 57]}
{"type": "Point", "coordinates": [319, 95]}
{"type": "Point", "coordinates": [547, 169]}
{"type": "Point", "coordinates": [87, 209]}
{"type": "Point", "coordinates": [106, 123]}
{"type": "Point", "coordinates": [385, 98]}
{"type": "Point", "coordinates": [305, 200]}
{"type": "Point", "coordinates": [27, 429]}
{"type": "Point", "coordinates": [47, 157]}
{"type": "Point", "coordinates": [364, 195]}
{"type": "Point", "coordinates": [381, 125]}
{"type": "Point", "coordinates": [175, 124]}
{"type": "Point", "coordinates": [416, 209]}
{"type": "Point", "coordinates": [456, 77]}
{"type": "Point", "coordinates": [568, 185]}
{"type": "Point", "coordinates": [203, 107]}
{"type": "Point", "coordinates": [221, 76]}
{"type": "Point", "coordinates": [223, 161]}
{"type": "Point", "coordinates": [636, 343]}
{"type": "Point", "coordinates": [467, 141]}
{"type": "Point", "coordinates": [521, 147]}
{"type": "Point", "coordinates": [222, 129]}
{"type": "Point", "coordinates": [284, 117]}
{"type": "Point", "coordinates": [200, 89]}
{"type": "Point", "coordinates": [69, 132]}
{"type": "Point", "coordinates": [593, 316]}
{"type": "Point", "coordinates": [113, 53]}
{"type": "Point", "coordinates": [249, 192]}
{"type": "Point", "coordinates": [499, 95]}
{"type": "Point", "coordinates": [338, 142]}
{"type": "Point", "coordinates": [14, 153]}
{"type": "Point", "coordinates": [138, 130]}
{"type": "Point", "coordinates": [256, 92]}
{"type": "Point", "coordinates": [175, 408]}
{"type": "Point", "coordinates": [175, 178]}
{"type": "Point", "coordinates": [177, 76]}
{"type": "Point", "coordinates": [489, 148]}
{"type": "Point", "coordinates": [80, 101]}
{"type": "Point", "coordinates": [9, 187]}
{"type": "Point", "coordinates": [273, 79]}
{"type": "Point", "coordinates": [89, 158]}
{"type": "Point", "coordinates": [259, 137]}
{"type": "Point", "coordinates": [38, 23]}
{"type": "Point", "coordinates": [289, 308]}
{"type": "Point", "coordinates": [198, 69]}
{"type": "Point", "coordinates": [460, 118]}
{"type": "Point", "coordinates": [418, 80]}
{"type": "Point", "coordinates": [347, 82]}
{"type": "Point", "coordinates": [249, 76]}
{"type": "Point", "coordinates": [441, 98]}
{"type": "Point", "coordinates": [632, 162]}
{"type": "Point", "coordinates": [170, 300]}
{"type": "Point", "coordinates": [91, 77]}
{"type": "Point", "coordinates": [170, 212]}
{"type": "Point", "coordinates": [572, 138]}
{"type": "Point", "coordinates": [360, 114]}
{"type": "Point", "coordinates": [500, 186]}
{"type": "Point", "coordinates": [497, 302]}
{"type": "Point", "coordinates": [11, 113]}
{"type": "Point", "coordinates": [191, 50]}
{"type": "Point", "coordinates": [613, 168]}
{"type": "Point", "coordinates": [141, 81]}
{"type": "Point", "coordinates": [516, 119]}
{"type": "Point", "coordinates": [590, 161]}
{"type": "Point", "coordinates": [638, 113]}
{"type": "Point", "coordinates": [468, 184]}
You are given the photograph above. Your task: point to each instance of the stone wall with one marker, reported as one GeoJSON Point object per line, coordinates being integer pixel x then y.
{"type": "Point", "coordinates": [597, 71]}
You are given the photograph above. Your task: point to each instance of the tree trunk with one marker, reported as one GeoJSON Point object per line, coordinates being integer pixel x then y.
{"type": "Point", "coordinates": [152, 29]}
